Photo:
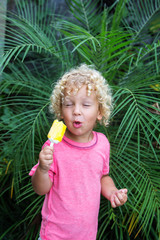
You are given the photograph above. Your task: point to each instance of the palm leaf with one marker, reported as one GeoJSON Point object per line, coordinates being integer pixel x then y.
{"type": "Point", "coordinates": [86, 12]}
{"type": "Point", "coordinates": [143, 184]}
{"type": "Point", "coordinates": [25, 34]}
{"type": "Point", "coordinates": [142, 14]}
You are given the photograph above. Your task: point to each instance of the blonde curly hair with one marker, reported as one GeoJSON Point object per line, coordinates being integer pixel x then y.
{"type": "Point", "coordinates": [73, 80]}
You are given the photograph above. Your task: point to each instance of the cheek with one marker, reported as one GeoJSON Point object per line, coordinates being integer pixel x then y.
{"type": "Point", "coordinates": [65, 114]}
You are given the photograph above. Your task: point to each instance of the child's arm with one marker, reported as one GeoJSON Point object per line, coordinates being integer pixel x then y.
{"type": "Point", "coordinates": [41, 181]}
{"type": "Point", "coordinates": [109, 191]}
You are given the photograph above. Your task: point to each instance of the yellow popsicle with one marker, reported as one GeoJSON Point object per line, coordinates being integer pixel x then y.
{"type": "Point", "coordinates": [56, 132]}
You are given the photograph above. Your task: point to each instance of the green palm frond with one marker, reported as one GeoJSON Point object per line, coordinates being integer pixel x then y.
{"type": "Point", "coordinates": [143, 191]}
{"type": "Point", "coordinates": [25, 35]}
{"type": "Point", "coordinates": [118, 15]}
{"type": "Point", "coordinates": [87, 13]}
{"type": "Point", "coordinates": [25, 92]}
{"type": "Point", "coordinates": [142, 14]}
{"type": "Point", "coordinates": [91, 47]}
{"type": "Point", "coordinates": [139, 117]}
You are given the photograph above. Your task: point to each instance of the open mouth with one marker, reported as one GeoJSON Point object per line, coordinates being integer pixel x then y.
{"type": "Point", "coordinates": [77, 124]}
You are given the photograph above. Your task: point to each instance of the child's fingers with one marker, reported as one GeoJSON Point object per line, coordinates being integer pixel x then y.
{"type": "Point", "coordinates": [119, 198]}
{"type": "Point", "coordinates": [48, 149]}
{"type": "Point", "coordinates": [123, 190]}
{"type": "Point", "coordinates": [46, 153]}
{"type": "Point", "coordinates": [122, 196]}
{"type": "Point", "coordinates": [113, 204]}
{"type": "Point", "coordinates": [48, 157]}
{"type": "Point", "coordinates": [115, 201]}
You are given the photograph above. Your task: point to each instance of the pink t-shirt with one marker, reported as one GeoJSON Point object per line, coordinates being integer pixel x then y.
{"type": "Point", "coordinates": [70, 209]}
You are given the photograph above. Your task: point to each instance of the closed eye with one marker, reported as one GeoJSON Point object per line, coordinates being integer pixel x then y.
{"type": "Point", "coordinates": [68, 104]}
{"type": "Point", "coordinates": [86, 104]}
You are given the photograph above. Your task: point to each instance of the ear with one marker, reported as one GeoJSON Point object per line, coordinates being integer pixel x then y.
{"type": "Point", "coordinates": [99, 116]}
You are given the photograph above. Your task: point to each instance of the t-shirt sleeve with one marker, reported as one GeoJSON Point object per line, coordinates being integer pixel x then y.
{"type": "Point", "coordinates": [106, 159]}
{"type": "Point", "coordinates": [52, 169]}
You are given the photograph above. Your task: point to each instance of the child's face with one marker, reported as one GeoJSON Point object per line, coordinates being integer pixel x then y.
{"type": "Point", "coordinates": [80, 113]}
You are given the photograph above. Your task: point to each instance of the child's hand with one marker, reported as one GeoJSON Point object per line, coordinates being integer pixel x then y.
{"type": "Point", "coordinates": [46, 158]}
{"type": "Point", "coordinates": [118, 198]}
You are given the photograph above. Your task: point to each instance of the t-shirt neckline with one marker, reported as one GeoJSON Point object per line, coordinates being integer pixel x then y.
{"type": "Point", "coordinates": [80, 144]}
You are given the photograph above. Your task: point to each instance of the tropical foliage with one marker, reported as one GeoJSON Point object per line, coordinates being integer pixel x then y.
{"type": "Point", "coordinates": [121, 41]}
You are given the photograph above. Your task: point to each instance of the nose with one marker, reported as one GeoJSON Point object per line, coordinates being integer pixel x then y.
{"type": "Point", "coordinates": [77, 110]}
